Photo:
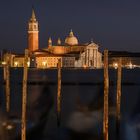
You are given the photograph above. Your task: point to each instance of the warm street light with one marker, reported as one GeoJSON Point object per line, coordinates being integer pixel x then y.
{"type": "Point", "coordinates": [16, 64]}
{"type": "Point", "coordinates": [115, 65]}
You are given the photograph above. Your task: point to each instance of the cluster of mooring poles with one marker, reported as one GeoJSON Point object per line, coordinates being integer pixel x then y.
{"type": "Point", "coordinates": [59, 97]}
{"type": "Point", "coordinates": [24, 90]}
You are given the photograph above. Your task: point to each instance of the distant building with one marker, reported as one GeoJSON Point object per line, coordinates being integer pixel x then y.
{"type": "Point", "coordinates": [33, 37]}
{"type": "Point", "coordinates": [70, 45]}
{"type": "Point", "coordinates": [49, 60]}
{"type": "Point", "coordinates": [129, 59]}
{"type": "Point", "coordinates": [18, 61]}
{"type": "Point", "coordinates": [71, 53]}
{"type": "Point", "coordinates": [91, 57]}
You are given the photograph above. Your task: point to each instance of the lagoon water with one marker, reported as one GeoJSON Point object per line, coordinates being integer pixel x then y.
{"type": "Point", "coordinates": [82, 104]}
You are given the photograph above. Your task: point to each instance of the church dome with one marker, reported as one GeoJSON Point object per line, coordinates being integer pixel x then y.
{"type": "Point", "coordinates": [71, 39]}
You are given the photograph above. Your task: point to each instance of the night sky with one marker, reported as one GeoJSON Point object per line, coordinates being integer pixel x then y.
{"type": "Point", "coordinates": [113, 24]}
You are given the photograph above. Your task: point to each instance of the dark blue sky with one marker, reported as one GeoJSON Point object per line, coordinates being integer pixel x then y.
{"type": "Point", "coordinates": [113, 24]}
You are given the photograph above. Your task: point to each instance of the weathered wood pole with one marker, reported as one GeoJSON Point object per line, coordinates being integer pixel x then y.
{"type": "Point", "coordinates": [119, 78]}
{"type": "Point", "coordinates": [7, 82]}
{"type": "Point", "coordinates": [59, 92]}
{"type": "Point", "coordinates": [106, 93]}
{"type": "Point", "coordinates": [4, 72]}
{"type": "Point", "coordinates": [24, 97]}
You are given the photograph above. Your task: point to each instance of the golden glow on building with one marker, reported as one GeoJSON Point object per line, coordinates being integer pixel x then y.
{"type": "Point", "coordinates": [47, 62]}
{"type": "Point", "coordinates": [16, 64]}
{"type": "Point", "coordinates": [28, 64]}
{"type": "Point", "coordinates": [33, 38]}
{"type": "Point", "coordinates": [44, 64]}
{"type": "Point", "coordinates": [3, 63]}
{"type": "Point", "coordinates": [68, 50]}
{"type": "Point", "coordinates": [85, 66]}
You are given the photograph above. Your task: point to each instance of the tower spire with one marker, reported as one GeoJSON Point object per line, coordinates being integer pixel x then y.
{"type": "Point", "coordinates": [33, 17]}
{"type": "Point", "coordinates": [33, 38]}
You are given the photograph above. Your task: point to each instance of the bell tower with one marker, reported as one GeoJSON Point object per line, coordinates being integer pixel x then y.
{"type": "Point", "coordinates": [33, 40]}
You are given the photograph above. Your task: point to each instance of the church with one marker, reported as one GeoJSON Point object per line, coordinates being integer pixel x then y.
{"type": "Point", "coordinates": [71, 53]}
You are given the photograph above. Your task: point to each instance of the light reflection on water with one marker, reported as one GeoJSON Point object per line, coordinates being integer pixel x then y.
{"type": "Point", "coordinates": [82, 105]}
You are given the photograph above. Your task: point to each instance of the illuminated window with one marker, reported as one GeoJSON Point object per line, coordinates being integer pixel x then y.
{"type": "Point", "coordinates": [44, 63]}
{"type": "Point", "coordinates": [28, 63]}
{"type": "Point", "coordinates": [16, 64]}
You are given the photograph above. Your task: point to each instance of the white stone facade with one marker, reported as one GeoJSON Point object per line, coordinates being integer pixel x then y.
{"type": "Point", "coordinates": [91, 57]}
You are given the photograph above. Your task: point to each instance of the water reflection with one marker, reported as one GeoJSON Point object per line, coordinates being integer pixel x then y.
{"type": "Point", "coordinates": [82, 109]}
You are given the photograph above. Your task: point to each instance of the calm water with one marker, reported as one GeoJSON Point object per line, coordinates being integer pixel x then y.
{"type": "Point", "coordinates": [82, 104]}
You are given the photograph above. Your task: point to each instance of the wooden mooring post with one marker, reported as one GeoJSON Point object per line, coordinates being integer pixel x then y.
{"type": "Point", "coordinates": [106, 93]}
{"type": "Point", "coordinates": [59, 92]}
{"type": "Point", "coordinates": [24, 97]}
{"type": "Point", "coordinates": [4, 72]}
{"type": "Point", "coordinates": [118, 103]}
{"type": "Point", "coordinates": [7, 81]}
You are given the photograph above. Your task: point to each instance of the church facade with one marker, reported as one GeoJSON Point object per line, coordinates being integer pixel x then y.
{"type": "Point", "coordinates": [71, 53]}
